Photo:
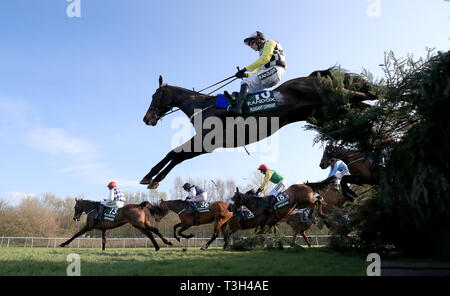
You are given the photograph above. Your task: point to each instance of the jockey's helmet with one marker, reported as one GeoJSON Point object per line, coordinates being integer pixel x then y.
{"type": "Point", "coordinates": [112, 185]}
{"type": "Point", "coordinates": [263, 167]}
{"type": "Point", "coordinates": [255, 37]}
{"type": "Point", "coordinates": [187, 186]}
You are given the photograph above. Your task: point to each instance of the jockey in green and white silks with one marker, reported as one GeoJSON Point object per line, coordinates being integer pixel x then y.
{"type": "Point", "coordinates": [269, 68]}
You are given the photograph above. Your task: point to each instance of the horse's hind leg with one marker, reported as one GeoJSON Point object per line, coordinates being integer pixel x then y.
{"type": "Point", "coordinates": [306, 239]}
{"type": "Point", "coordinates": [217, 228]}
{"type": "Point", "coordinates": [103, 239]}
{"type": "Point", "coordinates": [226, 235]}
{"type": "Point", "coordinates": [81, 232]}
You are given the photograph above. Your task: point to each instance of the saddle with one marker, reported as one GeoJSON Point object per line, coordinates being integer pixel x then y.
{"type": "Point", "coordinates": [107, 213]}
{"type": "Point", "coordinates": [273, 203]}
{"type": "Point", "coordinates": [196, 208]}
{"type": "Point", "coordinates": [254, 103]}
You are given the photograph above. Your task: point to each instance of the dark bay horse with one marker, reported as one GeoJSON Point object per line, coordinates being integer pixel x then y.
{"type": "Point", "coordinates": [362, 168]}
{"type": "Point", "coordinates": [219, 214]}
{"type": "Point", "coordinates": [238, 221]}
{"type": "Point", "coordinates": [137, 215]}
{"type": "Point", "coordinates": [299, 196]}
{"type": "Point", "coordinates": [296, 100]}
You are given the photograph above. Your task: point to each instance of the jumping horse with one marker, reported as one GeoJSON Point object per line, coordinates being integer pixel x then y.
{"type": "Point", "coordinates": [296, 101]}
{"type": "Point", "coordinates": [361, 167]}
{"type": "Point", "coordinates": [137, 215]}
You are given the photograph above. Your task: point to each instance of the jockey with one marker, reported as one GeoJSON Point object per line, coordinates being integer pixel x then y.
{"type": "Point", "coordinates": [274, 177]}
{"type": "Point", "coordinates": [338, 169]}
{"type": "Point", "coordinates": [196, 194]}
{"type": "Point", "coordinates": [116, 199]}
{"type": "Point", "coordinates": [270, 68]}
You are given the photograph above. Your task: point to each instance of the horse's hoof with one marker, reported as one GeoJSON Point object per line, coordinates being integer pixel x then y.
{"type": "Point", "coordinates": [169, 243]}
{"type": "Point", "coordinates": [203, 248]}
{"type": "Point", "coordinates": [178, 239]}
{"type": "Point", "coordinates": [62, 245]}
{"type": "Point", "coordinates": [146, 181]}
{"type": "Point", "coordinates": [153, 185]}
{"type": "Point", "coordinates": [157, 249]}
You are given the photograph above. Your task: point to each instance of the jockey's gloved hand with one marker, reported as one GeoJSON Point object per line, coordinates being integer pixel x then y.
{"type": "Point", "coordinates": [258, 191]}
{"type": "Point", "coordinates": [241, 73]}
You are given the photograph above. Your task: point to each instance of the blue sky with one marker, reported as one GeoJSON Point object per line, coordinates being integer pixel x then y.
{"type": "Point", "coordinates": [73, 91]}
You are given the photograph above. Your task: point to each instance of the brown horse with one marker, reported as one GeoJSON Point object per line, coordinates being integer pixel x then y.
{"type": "Point", "coordinates": [361, 167]}
{"type": "Point", "coordinates": [218, 213]}
{"type": "Point", "coordinates": [327, 190]}
{"type": "Point", "coordinates": [296, 101]}
{"type": "Point", "coordinates": [296, 196]}
{"type": "Point", "coordinates": [299, 227]}
{"type": "Point", "coordinates": [137, 215]}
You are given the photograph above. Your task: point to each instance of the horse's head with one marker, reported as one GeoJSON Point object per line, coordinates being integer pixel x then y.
{"type": "Point", "coordinates": [79, 209]}
{"type": "Point", "coordinates": [238, 199]}
{"type": "Point", "coordinates": [327, 157]}
{"type": "Point", "coordinates": [160, 105]}
{"type": "Point", "coordinates": [159, 211]}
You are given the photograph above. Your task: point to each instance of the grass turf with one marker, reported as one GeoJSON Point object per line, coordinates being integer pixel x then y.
{"type": "Point", "coordinates": [173, 261]}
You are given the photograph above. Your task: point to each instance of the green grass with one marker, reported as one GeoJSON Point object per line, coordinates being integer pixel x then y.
{"type": "Point", "coordinates": [173, 261]}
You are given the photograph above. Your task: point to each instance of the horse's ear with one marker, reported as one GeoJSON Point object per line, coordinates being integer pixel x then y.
{"type": "Point", "coordinates": [160, 81]}
{"type": "Point", "coordinates": [237, 189]}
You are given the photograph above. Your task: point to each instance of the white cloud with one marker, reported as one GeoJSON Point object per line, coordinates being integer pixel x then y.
{"type": "Point", "coordinates": [58, 140]}
{"type": "Point", "coordinates": [21, 124]}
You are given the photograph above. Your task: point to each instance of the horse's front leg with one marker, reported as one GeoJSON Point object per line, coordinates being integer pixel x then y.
{"type": "Point", "coordinates": [157, 168]}
{"type": "Point", "coordinates": [81, 232]}
{"type": "Point", "coordinates": [156, 231]}
{"type": "Point", "coordinates": [178, 158]}
{"type": "Point", "coordinates": [346, 191]}
{"type": "Point", "coordinates": [180, 232]}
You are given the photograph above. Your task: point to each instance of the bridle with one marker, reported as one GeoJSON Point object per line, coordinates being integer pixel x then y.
{"type": "Point", "coordinates": [157, 113]}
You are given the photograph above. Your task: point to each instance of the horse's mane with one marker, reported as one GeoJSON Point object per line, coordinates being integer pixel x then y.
{"type": "Point", "coordinates": [159, 210]}
{"type": "Point", "coordinates": [198, 95]}
{"type": "Point", "coordinates": [86, 200]}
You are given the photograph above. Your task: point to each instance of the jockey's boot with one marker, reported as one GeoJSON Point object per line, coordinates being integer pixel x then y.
{"type": "Point", "coordinates": [101, 208]}
{"type": "Point", "coordinates": [237, 109]}
{"type": "Point", "coordinates": [271, 202]}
